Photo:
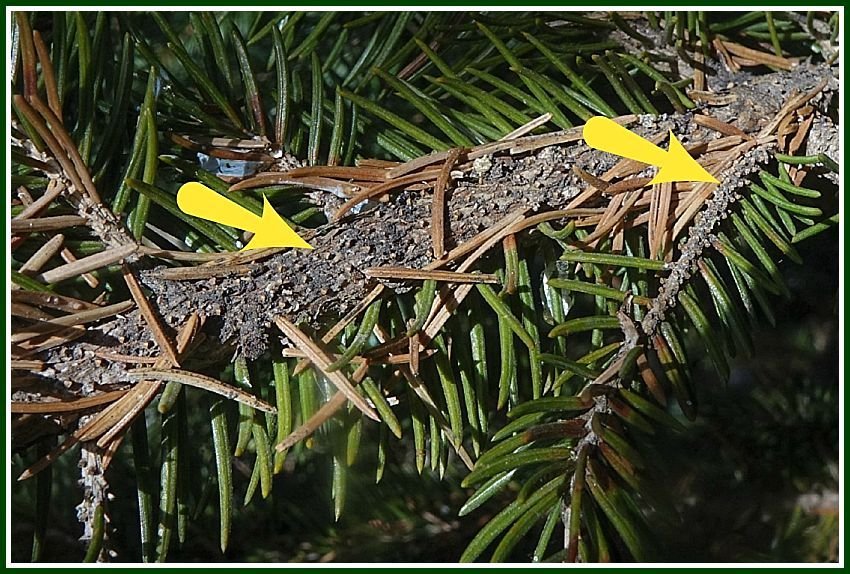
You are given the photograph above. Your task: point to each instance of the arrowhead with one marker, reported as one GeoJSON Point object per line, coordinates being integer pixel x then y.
{"type": "Point", "coordinates": [680, 166]}
{"type": "Point", "coordinates": [273, 231]}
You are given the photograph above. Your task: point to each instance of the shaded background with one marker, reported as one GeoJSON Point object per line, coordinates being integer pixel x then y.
{"type": "Point", "coordinates": [754, 478]}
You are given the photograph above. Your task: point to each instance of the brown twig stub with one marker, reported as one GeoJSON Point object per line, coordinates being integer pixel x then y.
{"type": "Point", "coordinates": [757, 57]}
{"type": "Point", "coordinates": [403, 273]}
{"type": "Point", "coordinates": [719, 126]}
{"type": "Point", "coordinates": [372, 358]}
{"type": "Point", "coordinates": [220, 152]}
{"type": "Point", "coordinates": [150, 316]}
{"type": "Point", "coordinates": [202, 382]}
{"type": "Point", "coordinates": [659, 213]}
{"type": "Point", "coordinates": [68, 257]}
{"type": "Point", "coordinates": [86, 264]}
{"type": "Point", "coordinates": [325, 412]}
{"type": "Point", "coordinates": [591, 179]}
{"type": "Point", "coordinates": [509, 247]}
{"type": "Point", "coordinates": [123, 358]}
{"type": "Point", "coordinates": [52, 301]}
{"type": "Point", "coordinates": [54, 189]}
{"type": "Point", "coordinates": [413, 353]}
{"type": "Point", "coordinates": [66, 406]}
{"type": "Point", "coordinates": [438, 203]}
{"type": "Point", "coordinates": [355, 173]}
{"type": "Point", "coordinates": [527, 128]}
{"type": "Point", "coordinates": [28, 56]}
{"type": "Point", "coordinates": [201, 272]}
{"type": "Point", "coordinates": [69, 147]}
{"type": "Point", "coordinates": [282, 178]}
{"type": "Point", "coordinates": [382, 188]}
{"type": "Point", "coordinates": [628, 184]}
{"type": "Point", "coordinates": [81, 318]}
{"type": "Point", "coordinates": [51, 223]}
{"type": "Point", "coordinates": [49, 76]}
{"type": "Point", "coordinates": [40, 258]}
{"type": "Point", "coordinates": [27, 365]}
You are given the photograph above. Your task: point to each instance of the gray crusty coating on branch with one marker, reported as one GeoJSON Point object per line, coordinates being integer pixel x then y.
{"type": "Point", "coordinates": [319, 286]}
{"type": "Point", "coordinates": [324, 283]}
{"type": "Point", "coordinates": [700, 236]}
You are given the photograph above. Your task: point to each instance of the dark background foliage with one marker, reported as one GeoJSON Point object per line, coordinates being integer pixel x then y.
{"type": "Point", "coordinates": [737, 474]}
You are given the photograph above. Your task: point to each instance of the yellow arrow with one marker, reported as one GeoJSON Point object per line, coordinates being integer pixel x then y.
{"type": "Point", "coordinates": [270, 230]}
{"type": "Point", "coordinates": [676, 164]}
